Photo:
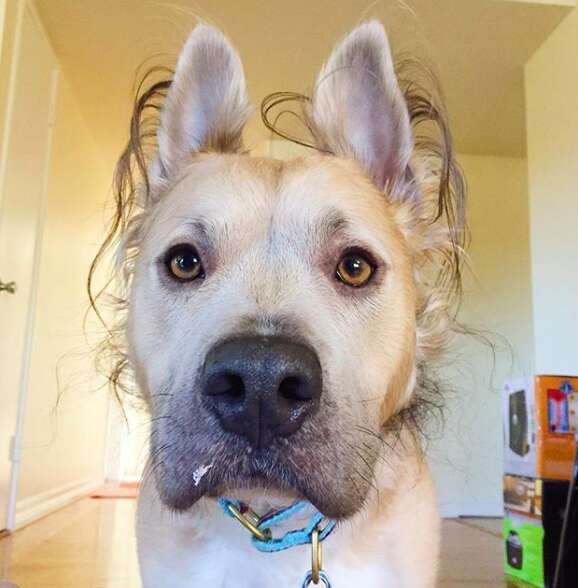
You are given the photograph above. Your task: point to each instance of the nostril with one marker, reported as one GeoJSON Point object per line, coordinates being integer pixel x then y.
{"type": "Point", "coordinates": [295, 388]}
{"type": "Point", "coordinates": [230, 385]}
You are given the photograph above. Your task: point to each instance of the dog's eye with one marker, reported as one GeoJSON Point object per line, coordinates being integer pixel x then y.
{"type": "Point", "coordinates": [354, 269]}
{"type": "Point", "coordinates": [184, 263]}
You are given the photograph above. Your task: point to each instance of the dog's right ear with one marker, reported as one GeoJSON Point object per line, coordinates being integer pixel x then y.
{"type": "Point", "coordinates": [206, 106]}
{"type": "Point", "coordinates": [358, 110]}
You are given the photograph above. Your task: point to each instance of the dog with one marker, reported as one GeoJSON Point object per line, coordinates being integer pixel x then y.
{"type": "Point", "coordinates": [280, 322]}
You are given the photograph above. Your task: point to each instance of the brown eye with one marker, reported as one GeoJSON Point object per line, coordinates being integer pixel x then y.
{"type": "Point", "coordinates": [354, 269]}
{"type": "Point", "coordinates": [184, 263]}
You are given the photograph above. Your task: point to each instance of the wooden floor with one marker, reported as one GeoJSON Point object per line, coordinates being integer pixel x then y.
{"type": "Point", "coordinates": [91, 545]}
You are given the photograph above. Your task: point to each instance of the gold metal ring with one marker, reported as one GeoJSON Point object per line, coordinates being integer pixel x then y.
{"type": "Point", "coordinates": [316, 556]}
{"type": "Point", "coordinates": [248, 522]}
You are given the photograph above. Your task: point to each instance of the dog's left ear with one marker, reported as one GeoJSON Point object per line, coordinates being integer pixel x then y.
{"type": "Point", "coordinates": [358, 110]}
{"type": "Point", "coordinates": [206, 106]}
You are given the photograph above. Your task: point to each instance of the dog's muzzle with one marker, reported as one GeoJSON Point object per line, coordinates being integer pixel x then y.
{"type": "Point", "coordinates": [262, 387]}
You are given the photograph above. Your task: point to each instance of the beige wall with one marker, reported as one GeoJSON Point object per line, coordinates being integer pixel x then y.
{"type": "Point", "coordinates": [63, 447]}
{"type": "Point", "coordinates": [552, 104]}
{"type": "Point", "coordinates": [467, 461]}
{"type": "Point", "coordinates": [7, 30]}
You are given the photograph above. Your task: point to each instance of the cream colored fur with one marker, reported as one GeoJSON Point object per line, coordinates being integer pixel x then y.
{"type": "Point", "coordinates": [392, 543]}
{"type": "Point", "coordinates": [269, 263]}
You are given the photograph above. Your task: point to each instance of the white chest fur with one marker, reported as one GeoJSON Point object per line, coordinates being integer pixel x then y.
{"type": "Point", "coordinates": [391, 545]}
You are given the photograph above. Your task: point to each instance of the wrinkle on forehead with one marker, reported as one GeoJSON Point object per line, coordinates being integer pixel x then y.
{"type": "Point", "coordinates": [337, 200]}
{"type": "Point", "coordinates": [215, 194]}
{"type": "Point", "coordinates": [235, 200]}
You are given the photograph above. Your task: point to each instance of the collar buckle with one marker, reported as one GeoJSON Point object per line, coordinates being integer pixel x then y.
{"type": "Point", "coordinates": [250, 520]}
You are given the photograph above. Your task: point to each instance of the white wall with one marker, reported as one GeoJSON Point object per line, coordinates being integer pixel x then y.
{"type": "Point", "coordinates": [552, 121]}
{"type": "Point", "coordinates": [467, 460]}
{"type": "Point", "coordinates": [127, 442]}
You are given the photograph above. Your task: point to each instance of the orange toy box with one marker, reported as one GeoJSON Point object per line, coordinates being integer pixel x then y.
{"type": "Point", "coordinates": [540, 423]}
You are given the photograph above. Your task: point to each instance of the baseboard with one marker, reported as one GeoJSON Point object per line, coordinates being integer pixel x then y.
{"type": "Point", "coordinates": [33, 508]}
{"type": "Point", "coordinates": [472, 508]}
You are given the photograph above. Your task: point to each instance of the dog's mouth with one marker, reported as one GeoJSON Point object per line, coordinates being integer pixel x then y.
{"type": "Point", "coordinates": [323, 474]}
{"type": "Point", "coordinates": [243, 477]}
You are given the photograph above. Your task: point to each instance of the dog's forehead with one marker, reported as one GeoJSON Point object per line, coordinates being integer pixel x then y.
{"type": "Point", "coordinates": [246, 196]}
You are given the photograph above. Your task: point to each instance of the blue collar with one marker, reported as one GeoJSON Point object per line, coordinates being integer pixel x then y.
{"type": "Point", "coordinates": [265, 542]}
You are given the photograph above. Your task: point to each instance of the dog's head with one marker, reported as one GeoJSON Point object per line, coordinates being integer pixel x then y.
{"type": "Point", "coordinates": [279, 311]}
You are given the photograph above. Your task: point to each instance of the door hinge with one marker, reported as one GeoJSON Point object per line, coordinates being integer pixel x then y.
{"type": "Point", "coordinates": [15, 450]}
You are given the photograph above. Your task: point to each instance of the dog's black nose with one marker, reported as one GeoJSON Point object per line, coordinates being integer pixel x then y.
{"type": "Point", "coordinates": [262, 387]}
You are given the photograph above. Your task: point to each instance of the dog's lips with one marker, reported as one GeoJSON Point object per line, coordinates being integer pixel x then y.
{"type": "Point", "coordinates": [247, 490]}
{"type": "Point", "coordinates": [308, 466]}
{"type": "Point", "coordinates": [252, 476]}
{"type": "Point", "coordinates": [257, 472]}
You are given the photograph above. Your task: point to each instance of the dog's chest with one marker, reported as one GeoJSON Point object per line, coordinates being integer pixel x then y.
{"type": "Point", "coordinates": [216, 552]}
{"type": "Point", "coordinates": [220, 564]}
{"type": "Point", "coordinates": [205, 547]}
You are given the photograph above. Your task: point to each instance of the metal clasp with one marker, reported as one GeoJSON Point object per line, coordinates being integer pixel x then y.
{"type": "Point", "coordinates": [322, 577]}
{"type": "Point", "coordinates": [316, 556]}
{"type": "Point", "coordinates": [250, 520]}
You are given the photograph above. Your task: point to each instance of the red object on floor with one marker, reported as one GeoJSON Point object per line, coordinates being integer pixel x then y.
{"type": "Point", "coordinates": [117, 490]}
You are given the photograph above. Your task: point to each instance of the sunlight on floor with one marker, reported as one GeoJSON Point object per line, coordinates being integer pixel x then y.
{"type": "Point", "coordinates": [89, 544]}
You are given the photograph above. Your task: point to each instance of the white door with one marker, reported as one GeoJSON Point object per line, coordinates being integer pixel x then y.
{"type": "Point", "coordinates": [24, 154]}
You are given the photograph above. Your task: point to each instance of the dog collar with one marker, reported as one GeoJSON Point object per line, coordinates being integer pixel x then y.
{"type": "Point", "coordinates": [314, 533]}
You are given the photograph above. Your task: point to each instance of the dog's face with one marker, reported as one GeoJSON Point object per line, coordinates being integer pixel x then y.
{"type": "Point", "coordinates": [273, 250]}
{"type": "Point", "coordinates": [272, 322]}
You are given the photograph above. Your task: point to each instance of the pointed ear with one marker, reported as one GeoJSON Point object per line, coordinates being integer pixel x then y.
{"type": "Point", "coordinates": [206, 106]}
{"type": "Point", "coordinates": [358, 110]}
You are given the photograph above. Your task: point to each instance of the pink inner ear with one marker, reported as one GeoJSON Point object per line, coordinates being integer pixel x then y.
{"type": "Point", "coordinates": [206, 106]}
{"type": "Point", "coordinates": [359, 110]}
{"type": "Point", "coordinates": [377, 130]}
{"type": "Point", "coordinates": [211, 71]}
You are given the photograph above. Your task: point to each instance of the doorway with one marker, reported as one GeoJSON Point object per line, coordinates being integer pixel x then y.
{"type": "Point", "coordinates": [31, 83]}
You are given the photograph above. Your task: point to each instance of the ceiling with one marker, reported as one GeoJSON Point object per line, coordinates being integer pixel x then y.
{"type": "Point", "coordinates": [478, 46]}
